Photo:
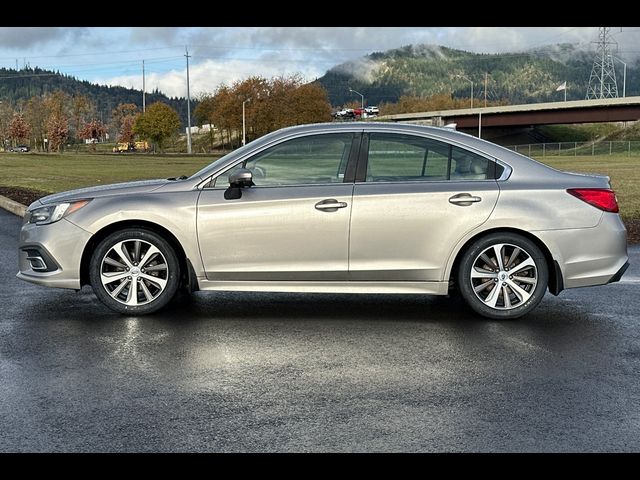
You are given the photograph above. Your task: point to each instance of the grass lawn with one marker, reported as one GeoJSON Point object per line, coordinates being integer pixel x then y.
{"type": "Point", "coordinates": [54, 173]}
{"type": "Point", "coordinates": [59, 172]}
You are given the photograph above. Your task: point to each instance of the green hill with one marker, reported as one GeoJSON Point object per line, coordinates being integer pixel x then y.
{"type": "Point", "coordinates": [425, 70]}
{"type": "Point", "coordinates": [20, 85]}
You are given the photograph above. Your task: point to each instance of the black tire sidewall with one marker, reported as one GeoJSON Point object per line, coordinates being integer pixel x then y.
{"type": "Point", "coordinates": [155, 239]}
{"type": "Point", "coordinates": [475, 249]}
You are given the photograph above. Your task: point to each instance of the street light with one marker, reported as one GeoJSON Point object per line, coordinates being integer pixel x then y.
{"type": "Point", "coordinates": [471, 81]}
{"type": "Point", "coordinates": [624, 76]}
{"type": "Point", "coordinates": [244, 129]}
{"type": "Point", "coordinates": [362, 98]}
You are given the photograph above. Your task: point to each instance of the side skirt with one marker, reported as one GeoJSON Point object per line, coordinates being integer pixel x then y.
{"type": "Point", "coordinates": [431, 288]}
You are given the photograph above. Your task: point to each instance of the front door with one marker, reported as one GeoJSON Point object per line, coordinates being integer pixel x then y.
{"type": "Point", "coordinates": [293, 225]}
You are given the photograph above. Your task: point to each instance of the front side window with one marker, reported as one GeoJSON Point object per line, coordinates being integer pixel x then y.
{"type": "Point", "coordinates": [310, 160]}
{"type": "Point", "coordinates": [408, 158]}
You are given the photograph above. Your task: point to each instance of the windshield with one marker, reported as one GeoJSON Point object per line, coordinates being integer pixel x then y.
{"type": "Point", "coordinates": [212, 167]}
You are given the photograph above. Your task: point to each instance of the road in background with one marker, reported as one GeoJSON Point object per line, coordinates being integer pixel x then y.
{"type": "Point", "coordinates": [294, 372]}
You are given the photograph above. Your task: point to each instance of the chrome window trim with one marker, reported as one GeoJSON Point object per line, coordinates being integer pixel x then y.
{"type": "Point", "coordinates": [508, 170]}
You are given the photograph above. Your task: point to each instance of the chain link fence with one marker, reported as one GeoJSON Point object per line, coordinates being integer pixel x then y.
{"type": "Point", "coordinates": [564, 149]}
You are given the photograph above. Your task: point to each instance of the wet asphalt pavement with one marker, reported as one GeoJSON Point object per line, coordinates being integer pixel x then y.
{"type": "Point", "coordinates": [293, 372]}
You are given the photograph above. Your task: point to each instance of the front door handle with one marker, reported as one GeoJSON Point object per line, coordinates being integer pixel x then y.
{"type": "Point", "coordinates": [330, 205]}
{"type": "Point", "coordinates": [464, 199]}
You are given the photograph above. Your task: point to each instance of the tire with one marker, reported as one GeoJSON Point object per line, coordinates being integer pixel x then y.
{"type": "Point", "coordinates": [505, 289]}
{"type": "Point", "coordinates": [117, 263]}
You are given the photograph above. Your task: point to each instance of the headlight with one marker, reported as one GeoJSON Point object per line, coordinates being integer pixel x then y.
{"type": "Point", "coordinates": [53, 213]}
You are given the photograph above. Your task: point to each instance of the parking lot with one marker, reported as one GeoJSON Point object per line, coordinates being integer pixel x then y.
{"type": "Point", "coordinates": [294, 372]}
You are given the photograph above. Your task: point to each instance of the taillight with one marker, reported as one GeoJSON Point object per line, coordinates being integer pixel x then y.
{"type": "Point", "coordinates": [602, 198]}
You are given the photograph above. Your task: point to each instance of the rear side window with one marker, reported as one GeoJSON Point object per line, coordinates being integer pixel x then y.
{"type": "Point", "coordinates": [408, 158]}
{"type": "Point", "coordinates": [467, 165]}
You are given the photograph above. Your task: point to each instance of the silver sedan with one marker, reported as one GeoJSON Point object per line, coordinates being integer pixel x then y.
{"type": "Point", "coordinates": [348, 208]}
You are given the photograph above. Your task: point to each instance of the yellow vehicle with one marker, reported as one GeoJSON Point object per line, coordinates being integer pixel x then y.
{"type": "Point", "coordinates": [131, 147]}
{"type": "Point", "coordinates": [141, 146]}
{"type": "Point", "coordinates": [123, 147]}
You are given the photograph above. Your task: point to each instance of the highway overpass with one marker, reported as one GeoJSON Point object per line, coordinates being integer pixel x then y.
{"type": "Point", "coordinates": [579, 111]}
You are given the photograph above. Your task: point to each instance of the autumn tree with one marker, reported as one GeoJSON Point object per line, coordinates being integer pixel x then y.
{"type": "Point", "coordinates": [92, 130]}
{"type": "Point", "coordinates": [6, 115]}
{"type": "Point", "coordinates": [57, 114]}
{"type": "Point", "coordinates": [122, 120]}
{"type": "Point", "coordinates": [19, 129]}
{"type": "Point", "coordinates": [126, 134]}
{"type": "Point", "coordinates": [158, 123]}
{"type": "Point", "coordinates": [205, 114]}
{"type": "Point", "coordinates": [36, 115]}
{"type": "Point", "coordinates": [441, 101]}
{"type": "Point", "coordinates": [57, 131]}
{"type": "Point", "coordinates": [273, 104]}
{"type": "Point", "coordinates": [81, 110]}
{"type": "Point", "coordinates": [224, 103]}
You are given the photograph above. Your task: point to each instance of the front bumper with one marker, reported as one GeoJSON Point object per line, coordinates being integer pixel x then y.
{"type": "Point", "coordinates": [60, 245]}
{"type": "Point", "coordinates": [589, 256]}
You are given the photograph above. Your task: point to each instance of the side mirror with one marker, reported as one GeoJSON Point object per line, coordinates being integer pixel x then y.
{"type": "Point", "coordinates": [241, 178]}
{"type": "Point", "coordinates": [238, 180]}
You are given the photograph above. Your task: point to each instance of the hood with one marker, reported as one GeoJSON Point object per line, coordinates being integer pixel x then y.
{"type": "Point", "coordinates": [105, 190]}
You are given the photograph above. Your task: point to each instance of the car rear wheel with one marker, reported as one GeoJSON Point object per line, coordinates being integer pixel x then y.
{"type": "Point", "coordinates": [134, 271]}
{"type": "Point", "coordinates": [503, 276]}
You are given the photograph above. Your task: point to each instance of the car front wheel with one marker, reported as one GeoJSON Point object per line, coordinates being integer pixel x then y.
{"type": "Point", "coordinates": [503, 276]}
{"type": "Point", "coordinates": [134, 271]}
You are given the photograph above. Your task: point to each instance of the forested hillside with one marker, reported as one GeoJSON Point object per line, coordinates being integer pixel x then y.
{"type": "Point", "coordinates": [426, 70]}
{"type": "Point", "coordinates": [19, 86]}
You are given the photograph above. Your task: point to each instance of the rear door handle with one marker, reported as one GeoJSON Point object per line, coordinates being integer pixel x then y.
{"type": "Point", "coordinates": [330, 205]}
{"type": "Point", "coordinates": [464, 199]}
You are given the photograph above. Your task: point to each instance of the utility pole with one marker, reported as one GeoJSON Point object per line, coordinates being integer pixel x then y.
{"type": "Point", "coordinates": [486, 76]}
{"type": "Point", "coordinates": [186, 54]}
{"type": "Point", "coordinates": [361, 98]}
{"type": "Point", "coordinates": [244, 128]}
{"type": "Point", "coordinates": [144, 101]}
{"type": "Point", "coordinates": [602, 82]}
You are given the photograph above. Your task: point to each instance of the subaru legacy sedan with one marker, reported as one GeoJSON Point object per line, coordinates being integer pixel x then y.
{"type": "Point", "coordinates": [340, 208]}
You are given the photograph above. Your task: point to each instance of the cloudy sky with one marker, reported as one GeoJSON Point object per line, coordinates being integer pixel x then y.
{"type": "Point", "coordinates": [113, 55]}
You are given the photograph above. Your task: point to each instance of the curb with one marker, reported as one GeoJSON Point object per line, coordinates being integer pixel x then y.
{"type": "Point", "coordinates": [12, 206]}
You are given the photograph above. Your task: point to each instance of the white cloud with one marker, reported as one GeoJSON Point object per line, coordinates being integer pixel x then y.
{"type": "Point", "coordinates": [112, 55]}
{"type": "Point", "coordinates": [206, 76]}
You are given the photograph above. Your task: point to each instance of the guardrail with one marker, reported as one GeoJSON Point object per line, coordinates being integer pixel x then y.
{"type": "Point", "coordinates": [557, 149]}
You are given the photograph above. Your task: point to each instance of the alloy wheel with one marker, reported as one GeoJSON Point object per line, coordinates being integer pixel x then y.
{"type": "Point", "coordinates": [134, 272]}
{"type": "Point", "coordinates": [504, 276]}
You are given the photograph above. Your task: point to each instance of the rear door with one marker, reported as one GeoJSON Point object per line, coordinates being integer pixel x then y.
{"type": "Point", "coordinates": [419, 197]}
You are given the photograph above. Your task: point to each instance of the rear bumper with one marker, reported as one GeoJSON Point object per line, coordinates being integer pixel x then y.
{"type": "Point", "coordinates": [619, 273]}
{"type": "Point", "coordinates": [589, 256]}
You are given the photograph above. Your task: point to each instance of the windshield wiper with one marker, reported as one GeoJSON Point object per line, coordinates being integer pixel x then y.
{"type": "Point", "coordinates": [183, 177]}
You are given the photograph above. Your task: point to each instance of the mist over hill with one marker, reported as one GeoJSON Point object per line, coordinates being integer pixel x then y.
{"type": "Point", "coordinates": [424, 70]}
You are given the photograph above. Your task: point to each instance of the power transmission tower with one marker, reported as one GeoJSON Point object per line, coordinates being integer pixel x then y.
{"type": "Point", "coordinates": [602, 82]}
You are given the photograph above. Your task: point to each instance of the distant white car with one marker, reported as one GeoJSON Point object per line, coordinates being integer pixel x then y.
{"type": "Point", "coordinates": [372, 110]}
